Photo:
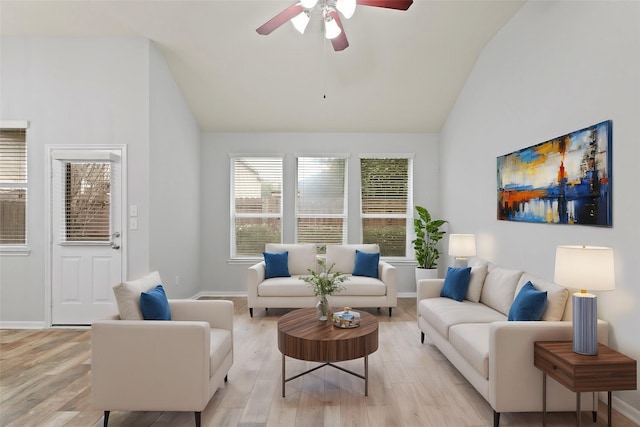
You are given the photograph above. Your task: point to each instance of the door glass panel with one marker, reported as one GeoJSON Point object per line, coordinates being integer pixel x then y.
{"type": "Point", "coordinates": [87, 202]}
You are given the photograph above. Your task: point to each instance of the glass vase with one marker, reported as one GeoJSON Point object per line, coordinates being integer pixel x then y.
{"type": "Point", "coordinates": [322, 308]}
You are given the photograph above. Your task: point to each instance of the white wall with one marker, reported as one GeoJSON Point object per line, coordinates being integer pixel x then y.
{"type": "Point", "coordinates": [218, 274]}
{"type": "Point", "coordinates": [554, 68]}
{"type": "Point", "coordinates": [73, 91]}
{"type": "Point", "coordinates": [174, 183]}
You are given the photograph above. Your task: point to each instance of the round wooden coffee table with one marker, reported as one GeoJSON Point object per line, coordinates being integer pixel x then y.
{"type": "Point", "coordinates": [302, 336]}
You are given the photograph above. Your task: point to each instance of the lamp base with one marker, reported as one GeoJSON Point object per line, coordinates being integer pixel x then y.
{"type": "Point", "coordinates": [585, 324]}
{"type": "Point", "coordinates": [461, 262]}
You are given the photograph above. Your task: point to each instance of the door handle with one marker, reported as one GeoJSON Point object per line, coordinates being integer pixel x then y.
{"type": "Point", "coordinates": [115, 235]}
{"type": "Point", "coordinates": [115, 246]}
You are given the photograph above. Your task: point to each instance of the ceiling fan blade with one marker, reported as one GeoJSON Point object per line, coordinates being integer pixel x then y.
{"type": "Point", "coordinates": [280, 19]}
{"type": "Point", "coordinates": [389, 4]}
{"type": "Point", "coordinates": [339, 43]}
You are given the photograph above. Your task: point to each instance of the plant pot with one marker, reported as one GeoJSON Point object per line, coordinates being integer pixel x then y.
{"type": "Point", "coordinates": [426, 273]}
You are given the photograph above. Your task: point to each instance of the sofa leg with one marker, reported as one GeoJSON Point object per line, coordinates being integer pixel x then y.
{"type": "Point", "coordinates": [594, 415]}
{"type": "Point", "coordinates": [496, 419]}
{"type": "Point", "coordinates": [198, 418]}
{"type": "Point", "coordinates": [390, 308]}
{"type": "Point", "coordinates": [226, 378]}
{"type": "Point", "coordinates": [421, 337]}
{"type": "Point", "coordinates": [106, 418]}
{"type": "Point", "coordinates": [250, 312]}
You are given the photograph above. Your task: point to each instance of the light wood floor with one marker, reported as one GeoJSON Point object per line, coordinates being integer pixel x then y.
{"type": "Point", "coordinates": [45, 380]}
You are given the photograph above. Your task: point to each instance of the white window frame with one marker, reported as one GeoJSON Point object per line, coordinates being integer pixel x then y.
{"type": "Point", "coordinates": [18, 249]}
{"type": "Point", "coordinates": [232, 213]}
{"type": "Point", "coordinates": [408, 216]}
{"type": "Point", "coordinates": [345, 215]}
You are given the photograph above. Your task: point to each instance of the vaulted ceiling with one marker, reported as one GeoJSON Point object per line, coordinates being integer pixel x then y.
{"type": "Point", "coordinates": [402, 71]}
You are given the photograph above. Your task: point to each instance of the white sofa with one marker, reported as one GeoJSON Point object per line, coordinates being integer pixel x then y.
{"type": "Point", "coordinates": [496, 355]}
{"type": "Point", "coordinates": [292, 292]}
{"type": "Point", "coordinates": [160, 365]}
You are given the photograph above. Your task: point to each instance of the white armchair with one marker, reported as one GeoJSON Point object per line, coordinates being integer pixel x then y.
{"type": "Point", "coordinates": [176, 365]}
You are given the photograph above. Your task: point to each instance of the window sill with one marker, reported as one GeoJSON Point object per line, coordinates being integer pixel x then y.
{"type": "Point", "coordinates": [15, 251]}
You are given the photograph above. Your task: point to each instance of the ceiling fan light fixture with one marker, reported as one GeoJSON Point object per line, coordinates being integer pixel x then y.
{"type": "Point", "coordinates": [308, 4]}
{"type": "Point", "coordinates": [300, 21]}
{"type": "Point", "coordinates": [346, 7]}
{"type": "Point", "coordinates": [331, 28]}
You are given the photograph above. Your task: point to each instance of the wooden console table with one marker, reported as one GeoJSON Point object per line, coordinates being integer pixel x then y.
{"type": "Point", "coordinates": [606, 371]}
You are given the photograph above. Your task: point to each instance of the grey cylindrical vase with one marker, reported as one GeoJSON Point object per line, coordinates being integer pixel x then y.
{"type": "Point", "coordinates": [585, 324]}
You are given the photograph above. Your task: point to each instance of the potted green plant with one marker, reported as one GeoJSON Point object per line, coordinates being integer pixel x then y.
{"type": "Point", "coordinates": [325, 283]}
{"type": "Point", "coordinates": [428, 234]}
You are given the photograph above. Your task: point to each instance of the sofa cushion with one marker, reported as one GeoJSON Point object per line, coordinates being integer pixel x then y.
{"type": "Point", "coordinates": [456, 283]}
{"type": "Point", "coordinates": [301, 256]}
{"type": "Point", "coordinates": [366, 264]}
{"type": "Point", "coordinates": [363, 286]}
{"type": "Point", "coordinates": [499, 288]}
{"type": "Point", "coordinates": [154, 304]}
{"type": "Point", "coordinates": [220, 344]}
{"type": "Point", "coordinates": [478, 274]}
{"type": "Point", "coordinates": [128, 295]}
{"type": "Point", "coordinates": [472, 342]}
{"type": "Point", "coordinates": [284, 287]}
{"type": "Point", "coordinates": [557, 296]}
{"type": "Point", "coordinates": [344, 256]}
{"type": "Point", "coordinates": [276, 264]}
{"type": "Point", "coordinates": [443, 313]}
{"type": "Point", "coordinates": [529, 304]}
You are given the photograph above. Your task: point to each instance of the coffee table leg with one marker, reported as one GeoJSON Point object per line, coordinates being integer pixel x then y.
{"type": "Point", "coordinates": [283, 380]}
{"type": "Point", "coordinates": [366, 375]}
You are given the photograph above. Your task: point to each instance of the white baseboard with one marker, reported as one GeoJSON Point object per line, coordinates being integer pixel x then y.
{"type": "Point", "coordinates": [625, 409]}
{"type": "Point", "coordinates": [219, 294]}
{"type": "Point", "coordinates": [406, 294]}
{"type": "Point", "coordinates": [23, 325]}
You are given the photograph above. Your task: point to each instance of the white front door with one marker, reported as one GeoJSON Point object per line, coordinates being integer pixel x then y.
{"type": "Point", "coordinates": [86, 233]}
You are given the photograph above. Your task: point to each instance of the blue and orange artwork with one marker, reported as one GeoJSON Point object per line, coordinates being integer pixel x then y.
{"type": "Point", "coordinates": [566, 180]}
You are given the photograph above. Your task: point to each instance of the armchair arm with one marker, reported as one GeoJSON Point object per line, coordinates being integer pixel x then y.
{"type": "Point", "coordinates": [511, 361]}
{"type": "Point", "coordinates": [150, 365]}
{"type": "Point", "coordinates": [387, 274]}
{"type": "Point", "coordinates": [218, 313]}
{"type": "Point", "coordinates": [255, 276]}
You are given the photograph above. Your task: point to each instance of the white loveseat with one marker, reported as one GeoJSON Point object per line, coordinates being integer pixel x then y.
{"type": "Point", "coordinates": [292, 292]}
{"type": "Point", "coordinates": [496, 355]}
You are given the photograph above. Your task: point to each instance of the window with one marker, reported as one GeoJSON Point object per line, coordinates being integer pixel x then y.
{"type": "Point", "coordinates": [256, 204]}
{"type": "Point", "coordinates": [13, 185]}
{"type": "Point", "coordinates": [386, 203]}
{"type": "Point", "coordinates": [321, 206]}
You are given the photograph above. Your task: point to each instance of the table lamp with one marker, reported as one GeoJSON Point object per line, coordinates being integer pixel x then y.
{"type": "Point", "coordinates": [586, 268]}
{"type": "Point", "coordinates": [461, 246]}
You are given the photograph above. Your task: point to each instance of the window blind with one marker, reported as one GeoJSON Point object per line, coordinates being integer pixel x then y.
{"type": "Point", "coordinates": [321, 200]}
{"type": "Point", "coordinates": [386, 205]}
{"type": "Point", "coordinates": [87, 202]}
{"type": "Point", "coordinates": [256, 197]}
{"type": "Point", "coordinates": [13, 187]}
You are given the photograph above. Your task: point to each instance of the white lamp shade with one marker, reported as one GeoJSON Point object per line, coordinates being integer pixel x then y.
{"type": "Point", "coordinates": [462, 245]}
{"type": "Point", "coordinates": [585, 267]}
{"type": "Point", "coordinates": [308, 4]}
{"type": "Point", "coordinates": [346, 7]}
{"type": "Point", "coordinates": [331, 29]}
{"type": "Point", "coordinates": [300, 21]}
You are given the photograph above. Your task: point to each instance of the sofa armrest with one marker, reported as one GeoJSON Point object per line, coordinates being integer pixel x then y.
{"type": "Point", "coordinates": [256, 275]}
{"type": "Point", "coordinates": [388, 274]}
{"type": "Point", "coordinates": [218, 313]}
{"type": "Point", "coordinates": [428, 288]}
{"type": "Point", "coordinates": [147, 365]}
{"type": "Point", "coordinates": [511, 359]}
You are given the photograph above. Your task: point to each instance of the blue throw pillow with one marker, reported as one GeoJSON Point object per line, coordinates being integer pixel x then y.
{"type": "Point", "coordinates": [529, 304]}
{"type": "Point", "coordinates": [277, 264]}
{"type": "Point", "coordinates": [456, 283]}
{"type": "Point", "coordinates": [366, 264]}
{"type": "Point", "coordinates": [154, 304]}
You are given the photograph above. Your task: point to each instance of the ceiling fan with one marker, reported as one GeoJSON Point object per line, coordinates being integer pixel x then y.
{"type": "Point", "coordinates": [300, 13]}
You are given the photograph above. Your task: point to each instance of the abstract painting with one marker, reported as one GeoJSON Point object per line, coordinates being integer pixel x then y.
{"type": "Point", "coordinates": [566, 180]}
